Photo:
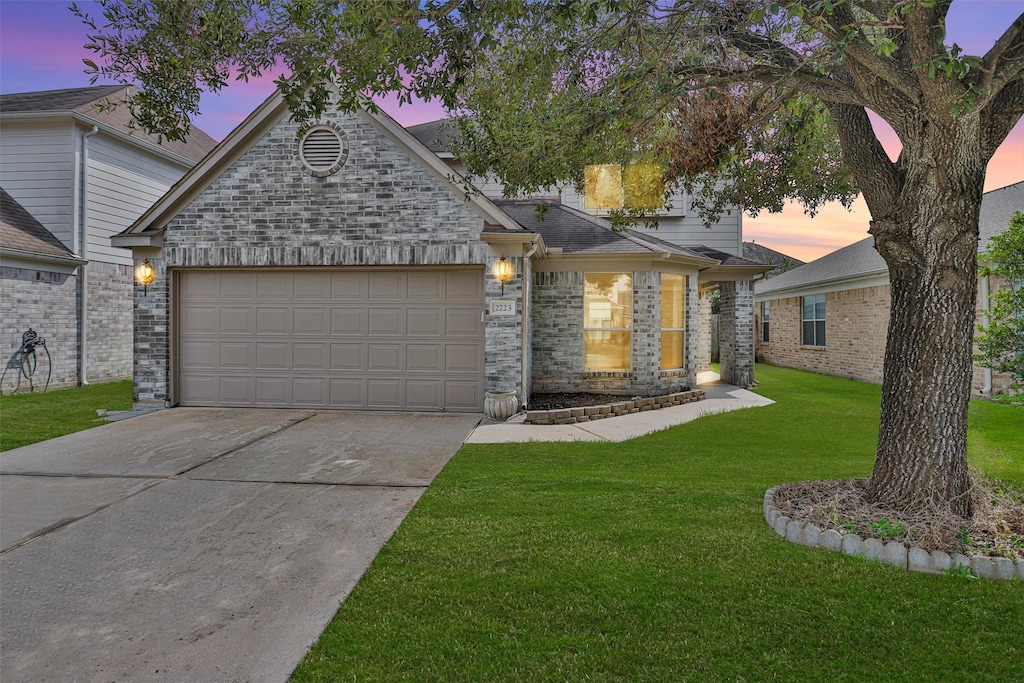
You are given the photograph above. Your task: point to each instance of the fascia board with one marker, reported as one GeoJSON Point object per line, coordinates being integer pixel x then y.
{"type": "Point", "coordinates": [409, 144]}
{"type": "Point", "coordinates": [154, 238]}
{"type": "Point", "coordinates": [557, 261]}
{"type": "Point", "coordinates": [876, 279]}
{"type": "Point", "coordinates": [15, 258]}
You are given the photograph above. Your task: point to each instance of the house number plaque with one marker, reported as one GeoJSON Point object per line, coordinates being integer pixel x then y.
{"type": "Point", "coordinates": [503, 307]}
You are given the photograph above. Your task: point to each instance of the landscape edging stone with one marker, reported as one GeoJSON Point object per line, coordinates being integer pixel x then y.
{"type": "Point", "coordinates": [624, 407]}
{"type": "Point", "coordinates": [893, 553]}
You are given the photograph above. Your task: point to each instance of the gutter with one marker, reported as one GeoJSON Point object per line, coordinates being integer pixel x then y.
{"type": "Point", "coordinates": [986, 387]}
{"type": "Point", "coordinates": [68, 260]}
{"type": "Point", "coordinates": [527, 315]}
{"type": "Point", "coordinates": [83, 272]}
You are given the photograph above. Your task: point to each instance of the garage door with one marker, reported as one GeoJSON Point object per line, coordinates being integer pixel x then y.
{"type": "Point", "coordinates": [367, 339]}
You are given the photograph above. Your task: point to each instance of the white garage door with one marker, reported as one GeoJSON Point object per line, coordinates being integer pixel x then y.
{"type": "Point", "coordinates": [368, 339]}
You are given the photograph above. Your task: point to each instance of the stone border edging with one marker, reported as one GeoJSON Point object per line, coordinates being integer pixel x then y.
{"type": "Point", "coordinates": [895, 553]}
{"type": "Point", "coordinates": [570, 416]}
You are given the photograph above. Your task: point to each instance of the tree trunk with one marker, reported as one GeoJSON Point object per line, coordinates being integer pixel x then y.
{"type": "Point", "coordinates": [931, 248]}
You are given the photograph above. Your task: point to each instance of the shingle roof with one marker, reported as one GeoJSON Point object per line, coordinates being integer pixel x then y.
{"type": "Point", "coordinates": [576, 232]}
{"type": "Point", "coordinates": [83, 101]}
{"type": "Point", "coordinates": [20, 231]}
{"type": "Point", "coordinates": [860, 259]}
{"type": "Point", "coordinates": [762, 254]}
{"type": "Point", "coordinates": [435, 135]}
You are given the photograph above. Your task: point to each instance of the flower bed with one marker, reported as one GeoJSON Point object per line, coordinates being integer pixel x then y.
{"type": "Point", "coordinates": [568, 416]}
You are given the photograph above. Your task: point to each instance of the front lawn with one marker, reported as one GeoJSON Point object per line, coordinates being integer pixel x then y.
{"type": "Point", "coordinates": [27, 418]}
{"type": "Point", "coordinates": [650, 560]}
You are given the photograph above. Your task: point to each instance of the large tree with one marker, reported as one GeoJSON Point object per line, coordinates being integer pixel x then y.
{"type": "Point", "coordinates": [743, 102]}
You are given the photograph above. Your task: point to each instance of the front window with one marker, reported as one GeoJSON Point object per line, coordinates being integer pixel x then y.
{"type": "Point", "coordinates": [673, 321]}
{"type": "Point", "coordinates": [766, 312]}
{"type": "Point", "coordinates": [814, 320]}
{"type": "Point", "coordinates": [608, 321]}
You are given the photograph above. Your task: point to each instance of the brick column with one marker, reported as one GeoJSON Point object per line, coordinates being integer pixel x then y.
{"type": "Point", "coordinates": [736, 333]}
{"type": "Point", "coordinates": [152, 340]}
{"type": "Point", "coordinates": [503, 344]}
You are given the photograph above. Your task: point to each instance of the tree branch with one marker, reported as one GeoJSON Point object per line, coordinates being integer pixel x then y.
{"type": "Point", "coordinates": [1005, 60]}
{"type": "Point", "coordinates": [1002, 113]}
{"type": "Point", "coordinates": [823, 87]}
{"type": "Point", "coordinates": [877, 177]}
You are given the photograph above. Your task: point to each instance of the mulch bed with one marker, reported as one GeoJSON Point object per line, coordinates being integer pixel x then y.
{"type": "Point", "coordinates": [996, 530]}
{"type": "Point", "coordinates": [581, 399]}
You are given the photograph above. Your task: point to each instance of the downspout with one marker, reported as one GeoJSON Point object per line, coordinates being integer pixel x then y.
{"type": "Point", "coordinates": [986, 387]}
{"type": "Point", "coordinates": [526, 320]}
{"type": "Point", "coordinates": [83, 277]}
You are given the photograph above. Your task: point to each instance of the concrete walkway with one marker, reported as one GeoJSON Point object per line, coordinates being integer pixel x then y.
{"type": "Point", "coordinates": [718, 398]}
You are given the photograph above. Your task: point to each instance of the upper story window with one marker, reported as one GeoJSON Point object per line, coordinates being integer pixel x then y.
{"type": "Point", "coordinates": [814, 320]}
{"type": "Point", "coordinates": [638, 186]}
{"type": "Point", "coordinates": [673, 321]}
{"type": "Point", "coordinates": [766, 314]}
{"type": "Point", "coordinates": [608, 321]}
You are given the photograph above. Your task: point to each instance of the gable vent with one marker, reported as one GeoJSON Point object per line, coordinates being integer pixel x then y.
{"type": "Point", "coordinates": [322, 151]}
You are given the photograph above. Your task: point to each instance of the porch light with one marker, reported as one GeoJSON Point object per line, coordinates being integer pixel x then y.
{"type": "Point", "coordinates": [145, 274]}
{"type": "Point", "coordinates": [503, 271]}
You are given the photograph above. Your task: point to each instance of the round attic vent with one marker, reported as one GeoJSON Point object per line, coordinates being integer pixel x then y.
{"type": "Point", "coordinates": [322, 150]}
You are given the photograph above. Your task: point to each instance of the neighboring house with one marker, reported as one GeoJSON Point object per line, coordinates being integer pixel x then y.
{"type": "Point", "coordinates": [752, 251]}
{"type": "Point", "coordinates": [72, 176]}
{"type": "Point", "coordinates": [831, 315]}
{"type": "Point", "coordinates": [342, 265]}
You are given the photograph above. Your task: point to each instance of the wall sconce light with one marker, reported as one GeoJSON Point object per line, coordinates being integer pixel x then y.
{"type": "Point", "coordinates": [503, 271]}
{"type": "Point", "coordinates": [146, 274]}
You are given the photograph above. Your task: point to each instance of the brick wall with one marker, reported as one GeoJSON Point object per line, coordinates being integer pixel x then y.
{"type": "Point", "coordinates": [48, 303]}
{"type": "Point", "coordinates": [856, 324]}
{"type": "Point", "coordinates": [109, 348]}
{"type": "Point", "coordinates": [703, 332]}
{"type": "Point", "coordinates": [557, 352]}
{"type": "Point", "coordinates": [503, 344]}
{"type": "Point", "coordinates": [736, 333]}
{"type": "Point", "coordinates": [381, 208]}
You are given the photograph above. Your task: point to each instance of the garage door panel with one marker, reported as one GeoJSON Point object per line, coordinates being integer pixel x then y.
{"type": "Point", "coordinates": [272, 356]}
{"type": "Point", "coordinates": [348, 321]}
{"type": "Point", "coordinates": [387, 340]}
{"type": "Point", "coordinates": [386, 357]}
{"type": "Point", "coordinates": [235, 354]}
{"type": "Point", "coordinates": [424, 322]}
{"type": "Point", "coordinates": [463, 322]}
{"type": "Point", "coordinates": [347, 393]}
{"type": "Point", "coordinates": [383, 393]}
{"type": "Point", "coordinates": [424, 358]}
{"type": "Point", "coordinates": [273, 320]}
{"type": "Point", "coordinates": [463, 395]}
{"type": "Point", "coordinates": [309, 321]}
{"type": "Point", "coordinates": [347, 357]}
{"type": "Point", "coordinates": [272, 391]}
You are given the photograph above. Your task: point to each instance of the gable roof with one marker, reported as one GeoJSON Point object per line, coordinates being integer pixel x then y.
{"type": "Point", "coordinates": [762, 254]}
{"type": "Point", "coordinates": [81, 104]}
{"type": "Point", "coordinates": [861, 261]}
{"type": "Point", "coordinates": [148, 229]}
{"type": "Point", "coordinates": [22, 234]}
{"type": "Point", "coordinates": [436, 136]}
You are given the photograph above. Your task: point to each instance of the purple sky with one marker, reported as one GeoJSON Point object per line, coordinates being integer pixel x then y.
{"type": "Point", "coordinates": [41, 49]}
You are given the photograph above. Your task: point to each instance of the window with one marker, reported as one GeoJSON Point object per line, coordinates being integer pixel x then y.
{"type": "Point", "coordinates": [673, 321]}
{"type": "Point", "coordinates": [814, 320]}
{"type": "Point", "coordinates": [608, 321]}
{"type": "Point", "coordinates": [766, 312]}
{"type": "Point", "coordinates": [639, 186]}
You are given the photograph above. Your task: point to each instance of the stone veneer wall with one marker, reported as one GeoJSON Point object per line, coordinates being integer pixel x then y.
{"type": "Point", "coordinates": [48, 303]}
{"type": "Point", "coordinates": [557, 351]}
{"type": "Point", "coordinates": [503, 344]}
{"type": "Point", "coordinates": [703, 332]}
{"type": "Point", "coordinates": [856, 324]}
{"type": "Point", "coordinates": [736, 333]}
{"type": "Point", "coordinates": [381, 209]}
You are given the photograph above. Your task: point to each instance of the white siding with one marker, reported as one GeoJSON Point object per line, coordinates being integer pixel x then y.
{"type": "Point", "coordinates": [36, 168]}
{"type": "Point", "coordinates": [123, 183]}
{"type": "Point", "coordinates": [679, 224]}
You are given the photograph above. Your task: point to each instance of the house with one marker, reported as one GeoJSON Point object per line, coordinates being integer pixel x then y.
{"type": "Point", "coordinates": [752, 251]}
{"type": "Point", "coordinates": [343, 265]}
{"type": "Point", "coordinates": [831, 315]}
{"type": "Point", "coordinates": [74, 173]}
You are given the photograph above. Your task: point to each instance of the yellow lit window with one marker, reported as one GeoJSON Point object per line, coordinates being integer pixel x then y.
{"type": "Point", "coordinates": [608, 321]}
{"type": "Point", "coordinates": [673, 321]}
{"type": "Point", "coordinates": [640, 185]}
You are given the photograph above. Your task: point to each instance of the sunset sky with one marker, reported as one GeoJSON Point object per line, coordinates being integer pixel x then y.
{"type": "Point", "coordinates": [41, 49]}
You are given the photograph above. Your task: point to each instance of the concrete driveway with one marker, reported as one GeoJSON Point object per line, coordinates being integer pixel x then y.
{"type": "Point", "coordinates": [200, 545]}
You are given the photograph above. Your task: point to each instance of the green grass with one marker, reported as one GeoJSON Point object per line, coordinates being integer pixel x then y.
{"type": "Point", "coordinates": [650, 561]}
{"type": "Point", "coordinates": [29, 418]}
